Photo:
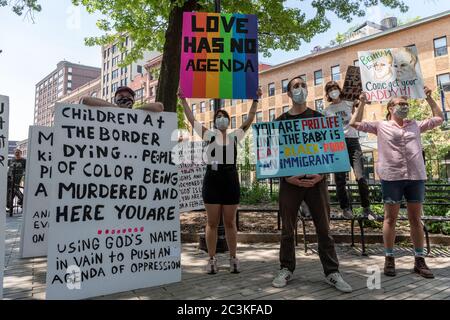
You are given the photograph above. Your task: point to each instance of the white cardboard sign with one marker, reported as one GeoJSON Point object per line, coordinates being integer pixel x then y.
{"type": "Point", "coordinates": [115, 214]}
{"type": "Point", "coordinates": [4, 118]}
{"type": "Point", "coordinates": [38, 185]}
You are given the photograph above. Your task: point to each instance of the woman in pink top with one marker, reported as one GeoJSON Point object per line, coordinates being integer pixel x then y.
{"type": "Point", "coordinates": [401, 169]}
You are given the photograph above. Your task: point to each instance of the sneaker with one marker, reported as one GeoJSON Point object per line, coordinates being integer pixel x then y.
{"type": "Point", "coordinates": [282, 278]}
{"type": "Point", "coordinates": [347, 213]}
{"type": "Point", "coordinates": [235, 265]}
{"type": "Point", "coordinates": [369, 214]}
{"type": "Point", "coordinates": [335, 280]}
{"type": "Point", "coordinates": [211, 267]}
{"type": "Point", "coordinates": [389, 266]}
{"type": "Point", "coordinates": [421, 268]}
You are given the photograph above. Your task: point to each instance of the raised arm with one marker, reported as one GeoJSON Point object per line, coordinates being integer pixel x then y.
{"type": "Point", "coordinates": [95, 102]}
{"type": "Point", "coordinates": [190, 116]}
{"type": "Point", "coordinates": [251, 114]}
{"type": "Point", "coordinates": [359, 112]}
{"type": "Point", "coordinates": [154, 107]}
{"type": "Point", "coordinates": [437, 112]}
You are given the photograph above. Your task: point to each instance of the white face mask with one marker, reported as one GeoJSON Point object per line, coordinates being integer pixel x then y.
{"type": "Point", "coordinates": [299, 95]}
{"type": "Point", "coordinates": [334, 94]}
{"type": "Point", "coordinates": [222, 123]}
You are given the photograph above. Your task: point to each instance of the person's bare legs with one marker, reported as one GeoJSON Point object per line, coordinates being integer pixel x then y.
{"type": "Point", "coordinates": [213, 212]}
{"type": "Point", "coordinates": [415, 222]}
{"type": "Point", "coordinates": [229, 221]}
{"type": "Point", "coordinates": [390, 219]}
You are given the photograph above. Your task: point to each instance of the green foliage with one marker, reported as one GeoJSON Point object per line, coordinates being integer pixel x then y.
{"type": "Point", "coordinates": [257, 193]}
{"type": "Point", "coordinates": [436, 142]}
{"type": "Point", "coordinates": [378, 209]}
{"type": "Point", "coordinates": [438, 227]}
{"type": "Point", "coordinates": [29, 7]}
{"type": "Point", "coordinates": [180, 117]}
{"type": "Point", "coordinates": [280, 27]}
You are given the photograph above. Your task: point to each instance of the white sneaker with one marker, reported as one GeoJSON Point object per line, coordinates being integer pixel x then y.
{"type": "Point", "coordinates": [211, 267]}
{"type": "Point", "coordinates": [235, 266]}
{"type": "Point", "coordinates": [336, 280]}
{"type": "Point", "coordinates": [282, 278]}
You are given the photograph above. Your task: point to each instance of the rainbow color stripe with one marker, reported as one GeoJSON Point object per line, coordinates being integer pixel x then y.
{"type": "Point", "coordinates": [219, 84]}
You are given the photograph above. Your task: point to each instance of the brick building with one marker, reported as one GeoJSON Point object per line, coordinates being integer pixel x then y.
{"type": "Point", "coordinates": [62, 81]}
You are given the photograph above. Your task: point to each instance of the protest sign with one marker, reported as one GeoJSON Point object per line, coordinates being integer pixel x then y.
{"type": "Point", "coordinates": [352, 85]}
{"type": "Point", "coordinates": [4, 118]}
{"type": "Point", "coordinates": [219, 56]}
{"type": "Point", "coordinates": [191, 168]}
{"type": "Point", "coordinates": [301, 146]}
{"type": "Point", "coordinates": [36, 207]}
{"type": "Point", "coordinates": [389, 73]}
{"type": "Point", "coordinates": [114, 223]}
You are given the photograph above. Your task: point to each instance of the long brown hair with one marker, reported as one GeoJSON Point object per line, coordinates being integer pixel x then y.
{"type": "Point", "coordinates": [391, 104]}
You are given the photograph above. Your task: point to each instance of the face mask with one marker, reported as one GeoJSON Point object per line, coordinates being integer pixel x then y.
{"type": "Point", "coordinates": [334, 94]}
{"type": "Point", "coordinates": [401, 111]}
{"type": "Point", "coordinates": [222, 123]}
{"type": "Point", "coordinates": [124, 102]}
{"type": "Point", "coordinates": [299, 95]}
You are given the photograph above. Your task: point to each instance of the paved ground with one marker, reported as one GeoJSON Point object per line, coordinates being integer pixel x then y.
{"type": "Point", "coordinates": [25, 278]}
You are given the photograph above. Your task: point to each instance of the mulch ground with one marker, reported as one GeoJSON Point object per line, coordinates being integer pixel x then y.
{"type": "Point", "coordinates": [249, 222]}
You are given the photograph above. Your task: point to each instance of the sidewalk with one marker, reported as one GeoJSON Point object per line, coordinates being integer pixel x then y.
{"type": "Point", "coordinates": [25, 278]}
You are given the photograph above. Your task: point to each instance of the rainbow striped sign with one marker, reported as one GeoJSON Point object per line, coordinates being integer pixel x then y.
{"type": "Point", "coordinates": [219, 56]}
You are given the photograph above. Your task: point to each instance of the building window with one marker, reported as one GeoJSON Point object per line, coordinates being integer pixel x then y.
{"type": "Point", "coordinates": [69, 85]}
{"type": "Point", "coordinates": [115, 74]}
{"type": "Point", "coordinates": [244, 118]}
{"type": "Point", "coordinates": [412, 47]}
{"type": "Point", "coordinates": [271, 114]}
{"type": "Point", "coordinates": [139, 69]}
{"type": "Point", "coordinates": [233, 122]}
{"type": "Point", "coordinates": [139, 93]}
{"type": "Point", "coordinates": [356, 63]}
{"type": "Point", "coordinates": [202, 107]}
{"type": "Point", "coordinates": [69, 77]}
{"type": "Point", "coordinates": [318, 78]}
{"type": "Point", "coordinates": [233, 102]}
{"type": "Point", "coordinates": [271, 89]}
{"type": "Point", "coordinates": [211, 105]}
{"type": "Point", "coordinates": [284, 84]}
{"type": "Point", "coordinates": [114, 61]}
{"type": "Point", "coordinates": [104, 54]}
{"type": "Point", "coordinates": [194, 108]}
{"type": "Point", "coordinates": [222, 103]}
{"type": "Point", "coordinates": [303, 77]}
{"type": "Point", "coordinates": [114, 49]}
{"type": "Point", "coordinates": [440, 47]}
{"type": "Point", "coordinates": [114, 87]}
{"type": "Point", "coordinates": [69, 70]}
{"type": "Point", "coordinates": [335, 73]}
{"type": "Point", "coordinates": [259, 116]}
{"type": "Point", "coordinates": [319, 105]}
{"type": "Point", "coordinates": [443, 79]}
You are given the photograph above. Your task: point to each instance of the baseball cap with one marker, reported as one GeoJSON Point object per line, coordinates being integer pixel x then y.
{"type": "Point", "coordinates": [125, 88]}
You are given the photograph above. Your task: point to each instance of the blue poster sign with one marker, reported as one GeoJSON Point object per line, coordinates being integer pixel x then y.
{"type": "Point", "coordinates": [301, 146]}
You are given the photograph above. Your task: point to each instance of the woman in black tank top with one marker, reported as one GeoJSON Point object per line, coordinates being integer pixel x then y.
{"type": "Point", "coordinates": [221, 189]}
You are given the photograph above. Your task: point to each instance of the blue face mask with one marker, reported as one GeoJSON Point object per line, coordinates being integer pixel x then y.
{"type": "Point", "coordinates": [222, 123]}
{"type": "Point", "coordinates": [299, 95]}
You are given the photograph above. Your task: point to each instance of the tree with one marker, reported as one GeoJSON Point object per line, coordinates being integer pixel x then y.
{"type": "Point", "coordinates": [157, 25]}
{"type": "Point", "coordinates": [30, 7]}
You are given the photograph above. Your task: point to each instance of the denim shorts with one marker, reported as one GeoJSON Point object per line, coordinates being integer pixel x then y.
{"type": "Point", "coordinates": [394, 191]}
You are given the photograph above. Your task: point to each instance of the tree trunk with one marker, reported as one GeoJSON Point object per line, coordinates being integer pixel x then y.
{"type": "Point", "coordinates": [169, 75]}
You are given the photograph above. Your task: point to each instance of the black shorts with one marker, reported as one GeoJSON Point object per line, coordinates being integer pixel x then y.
{"type": "Point", "coordinates": [221, 187]}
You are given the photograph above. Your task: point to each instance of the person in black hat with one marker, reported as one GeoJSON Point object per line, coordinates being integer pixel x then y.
{"type": "Point", "coordinates": [123, 98]}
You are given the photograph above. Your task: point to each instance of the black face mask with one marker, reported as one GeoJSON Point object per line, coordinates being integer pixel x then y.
{"type": "Point", "coordinates": [124, 102]}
